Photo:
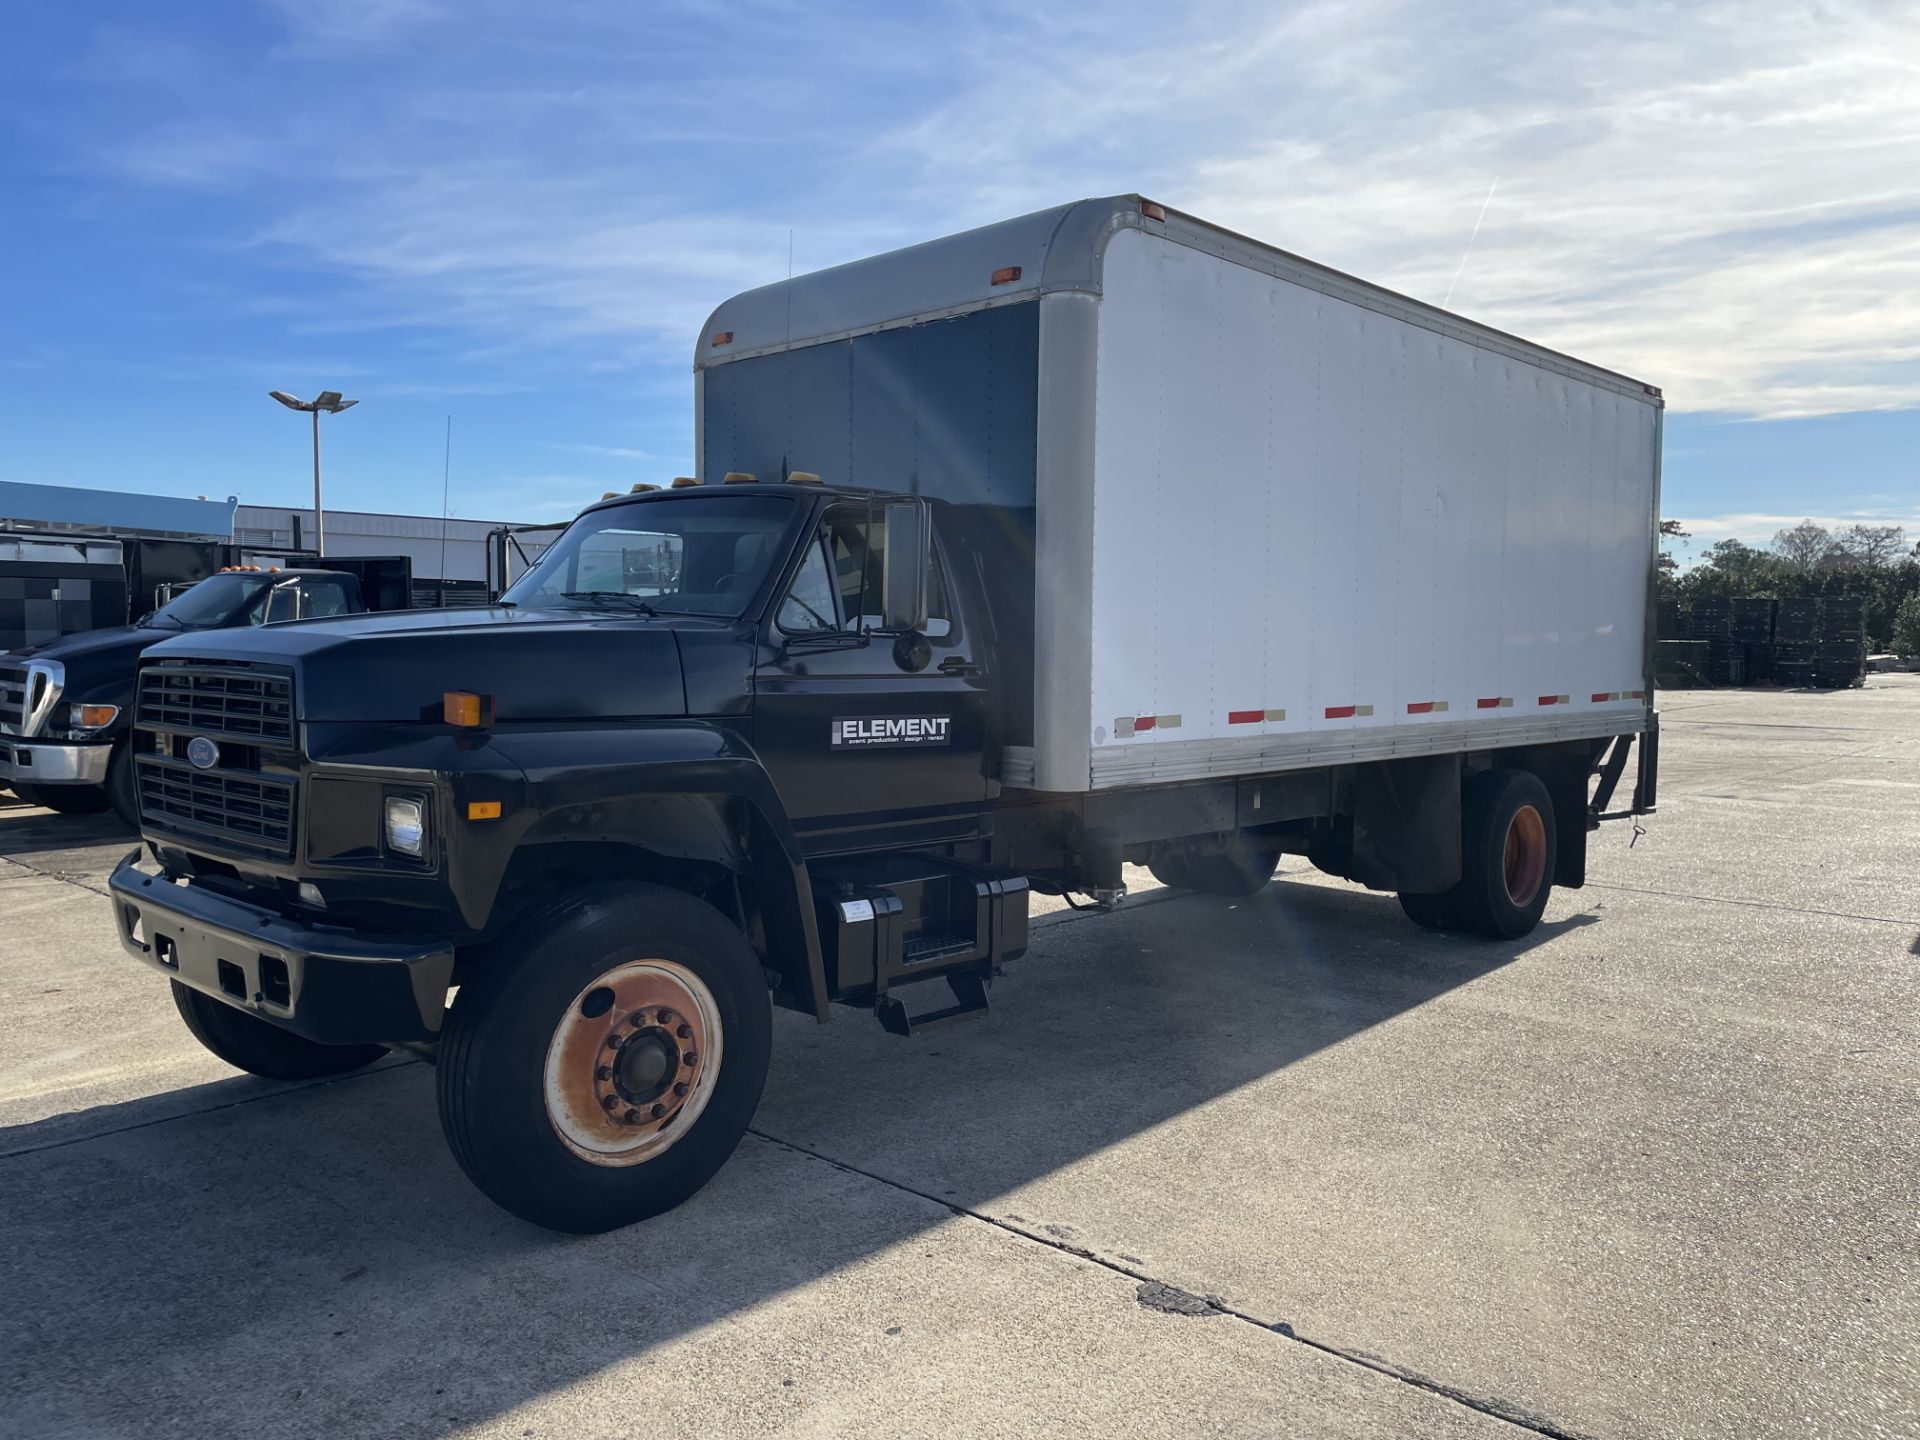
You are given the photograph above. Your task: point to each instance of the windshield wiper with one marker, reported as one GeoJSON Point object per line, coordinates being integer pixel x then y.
{"type": "Point", "coordinates": [640, 606]}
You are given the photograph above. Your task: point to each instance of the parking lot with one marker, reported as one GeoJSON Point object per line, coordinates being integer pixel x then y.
{"type": "Point", "coordinates": [1284, 1166]}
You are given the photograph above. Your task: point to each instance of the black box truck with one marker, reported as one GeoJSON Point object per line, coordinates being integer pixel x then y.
{"type": "Point", "coordinates": [1099, 536]}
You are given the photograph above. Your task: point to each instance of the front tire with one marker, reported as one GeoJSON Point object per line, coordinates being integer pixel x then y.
{"type": "Point", "coordinates": [607, 1063]}
{"type": "Point", "coordinates": [122, 792]}
{"type": "Point", "coordinates": [65, 799]}
{"type": "Point", "coordinates": [249, 1043]}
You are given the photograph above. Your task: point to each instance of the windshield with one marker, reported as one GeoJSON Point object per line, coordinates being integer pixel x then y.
{"type": "Point", "coordinates": [217, 602]}
{"type": "Point", "coordinates": [703, 555]}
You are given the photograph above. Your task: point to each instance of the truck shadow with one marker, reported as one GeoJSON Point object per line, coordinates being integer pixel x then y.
{"type": "Point", "coordinates": [244, 1258]}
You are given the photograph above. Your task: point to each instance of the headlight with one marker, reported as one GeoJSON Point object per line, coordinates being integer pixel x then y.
{"type": "Point", "coordinates": [407, 824]}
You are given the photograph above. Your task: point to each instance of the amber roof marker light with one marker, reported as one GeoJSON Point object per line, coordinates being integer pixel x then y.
{"type": "Point", "coordinates": [1153, 210]}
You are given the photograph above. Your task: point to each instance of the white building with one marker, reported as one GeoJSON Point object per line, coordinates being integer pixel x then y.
{"type": "Point", "coordinates": [450, 549]}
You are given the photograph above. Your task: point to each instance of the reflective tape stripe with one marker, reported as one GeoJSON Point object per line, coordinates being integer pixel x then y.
{"type": "Point", "coordinates": [1600, 697]}
{"type": "Point", "coordinates": [1347, 712]}
{"type": "Point", "coordinates": [1426, 707]}
{"type": "Point", "coordinates": [1494, 702]}
{"type": "Point", "coordinates": [1245, 717]}
{"type": "Point", "coordinates": [1555, 699]}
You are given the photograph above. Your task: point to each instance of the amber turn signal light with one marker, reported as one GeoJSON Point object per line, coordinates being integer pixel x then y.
{"type": "Point", "coordinates": [468, 711]}
{"type": "Point", "coordinates": [483, 810]}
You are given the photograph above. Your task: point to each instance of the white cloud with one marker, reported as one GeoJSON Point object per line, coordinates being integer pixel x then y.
{"type": "Point", "coordinates": [1721, 198]}
{"type": "Point", "coordinates": [1758, 529]}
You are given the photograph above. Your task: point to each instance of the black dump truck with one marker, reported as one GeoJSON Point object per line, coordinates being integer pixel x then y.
{"type": "Point", "coordinates": [66, 704]}
{"type": "Point", "coordinates": [1144, 543]}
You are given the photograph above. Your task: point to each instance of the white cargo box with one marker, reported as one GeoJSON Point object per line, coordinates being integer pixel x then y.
{"type": "Point", "coordinates": [1281, 518]}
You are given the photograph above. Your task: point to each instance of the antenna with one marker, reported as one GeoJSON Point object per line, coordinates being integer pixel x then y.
{"type": "Point", "coordinates": [446, 476]}
{"type": "Point", "coordinates": [1470, 239]}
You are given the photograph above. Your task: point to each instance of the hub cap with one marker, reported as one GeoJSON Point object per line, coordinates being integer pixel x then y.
{"type": "Point", "coordinates": [632, 1062]}
{"type": "Point", "coordinates": [1524, 863]}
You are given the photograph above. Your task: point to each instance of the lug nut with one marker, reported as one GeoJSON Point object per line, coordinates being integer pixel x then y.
{"type": "Point", "coordinates": [689, 1058]}
{"type": "Point", "coordinates": [685, 1032]}
{"type": "Point", "coordinates": [632, 1117]}
{"type": "Point", "coordinates": [613, 1042]}
{"type": "Point", "coordinates": [658, 1111]}
{"type": "Point", "coordinates": [681, 1088]}
{"type": "Point", "coordinates": [605, 1072]}
{"type": "Point", "coordinates": [666, 1017]}
{"type": "Point", "coordinates": [609, 1104]}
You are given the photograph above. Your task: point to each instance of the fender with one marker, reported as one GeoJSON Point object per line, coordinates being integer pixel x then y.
{"type": "Point", "coordinates": [682, 790]}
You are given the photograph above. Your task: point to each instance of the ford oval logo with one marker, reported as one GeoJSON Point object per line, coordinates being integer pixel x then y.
{"type": "Point", "coordinates": [202, 753]}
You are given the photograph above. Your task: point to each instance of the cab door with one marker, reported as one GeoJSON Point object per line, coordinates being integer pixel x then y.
{"type": "Point", "coordinates": [874, 740]}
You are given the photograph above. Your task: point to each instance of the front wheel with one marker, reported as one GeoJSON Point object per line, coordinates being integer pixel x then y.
{"type": "Point", "coordinates": [605, 1064]}
{"type": "Point", "coordinates": [65, 799]}
{"type": "Point", "coordinates": [249, 1043]}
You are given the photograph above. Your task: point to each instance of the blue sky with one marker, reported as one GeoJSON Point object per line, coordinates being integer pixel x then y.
{"type": "Point", "coordinates": [518, 215]}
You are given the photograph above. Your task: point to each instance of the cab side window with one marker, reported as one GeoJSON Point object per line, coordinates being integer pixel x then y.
{"type": "Point", "coordinates": [853, 540]}
{"type": "Point", "coordinates": [809, 606]}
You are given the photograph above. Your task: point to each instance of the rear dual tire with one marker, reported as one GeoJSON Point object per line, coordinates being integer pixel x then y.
{"type": "Point", "coordinates": [605, 1062]}
{"type": "Point", "coordinates": [1507, 859]}
{"type": "Point", "coordinates": [1239, 870]}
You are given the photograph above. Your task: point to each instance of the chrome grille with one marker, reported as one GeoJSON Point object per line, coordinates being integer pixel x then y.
{"type": "Point", "coordinates": [13, 697]}
{"type": "Point", "coordinates": [252, 706]}
{"type": "Point", "coordinates": [250, 810]}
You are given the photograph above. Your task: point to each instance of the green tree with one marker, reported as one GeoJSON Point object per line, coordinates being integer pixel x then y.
{"type": "Point", "coordinates": [1906, 626]}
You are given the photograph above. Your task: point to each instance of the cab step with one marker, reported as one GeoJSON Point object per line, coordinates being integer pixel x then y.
{"type": "Point", "coordinates": [969, 1003]}
{"type": "Point", "coordinates": [889, 921]}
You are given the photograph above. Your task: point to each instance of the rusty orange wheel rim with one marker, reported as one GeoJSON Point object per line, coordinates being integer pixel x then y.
{"type": "Point", "coordinates": [632, 1062]}
{"type": "Point", "coordinates": [1523, 865]}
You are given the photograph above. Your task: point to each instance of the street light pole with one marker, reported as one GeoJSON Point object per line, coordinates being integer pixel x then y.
{"type": "Point", "coordinates": [329, 401]}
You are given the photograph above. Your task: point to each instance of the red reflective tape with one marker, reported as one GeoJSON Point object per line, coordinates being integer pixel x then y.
{"type": "Point", "coordinates": [1601, 696]}
{"type": "Point", "coordinates": [1144, 722]}
{"type": "Point", "coordinates": [1549, 699]}
{"type": "Point", "coordinates": [1636, 694]}
{"type": "Point", "coordinates": [1488, 702]}
{"type": "Point", "coordinates": [1245, 717]}
{"type": "Point", "coordinates": [1420, 707]}
{"type": "Point", "coordinates": [1340, 712]}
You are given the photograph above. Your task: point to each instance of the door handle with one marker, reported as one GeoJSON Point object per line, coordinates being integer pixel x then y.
{"type": "Point", "coordinates": [954, 665]}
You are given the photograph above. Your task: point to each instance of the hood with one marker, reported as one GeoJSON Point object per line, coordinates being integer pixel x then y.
{"type": "Point", "coordinates": [394, 666]}
{"type": "Point", "coordinates": [111, 643]}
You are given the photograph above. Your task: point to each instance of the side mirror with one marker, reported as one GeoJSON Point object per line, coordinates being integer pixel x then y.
{"type": "Point", "coordinates": [904, 564]}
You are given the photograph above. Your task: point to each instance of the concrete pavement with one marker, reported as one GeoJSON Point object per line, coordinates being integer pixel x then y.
{"type": "Point", "coordinates": [1650, 1172]}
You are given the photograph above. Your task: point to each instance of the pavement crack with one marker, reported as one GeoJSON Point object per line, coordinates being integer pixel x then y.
{"type": "Point", "coordinates": [1157, 1294]}
{"type": "Point", "coordinates": [1751, 904]}
{"type": "Point", "coordinates": [65, 876]}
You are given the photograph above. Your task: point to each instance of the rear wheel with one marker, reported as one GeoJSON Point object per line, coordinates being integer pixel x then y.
{"type": "Point", "coordinates": [1507, 853]}
{"type": "Point", "coordinates": [249, 1043]}
{"type": "Point", "coordinates": [1429, 912]}
{"type": "Point", "coordinates": [1170, 869]}
{"type": "Point", "coordinates": [1242, 869]}
{"type": "Point", "coordinates": [607, 1065]}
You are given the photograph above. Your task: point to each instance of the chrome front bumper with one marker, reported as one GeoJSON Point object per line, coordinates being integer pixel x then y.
{"type": "Point", "coordinates": [35, 762]}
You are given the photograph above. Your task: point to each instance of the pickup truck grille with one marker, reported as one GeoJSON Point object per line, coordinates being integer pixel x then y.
{"type": "Point", "coordinates": [239, 795]}
{"type": "Point", "coordinates": [13, 698]}
{"type": "Point", "coordinates": [253, 811]}
{"type": "Point", "coordinates": [256, 708]}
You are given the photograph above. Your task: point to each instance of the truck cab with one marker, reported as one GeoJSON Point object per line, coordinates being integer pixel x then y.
{"type": "Point", "coordinates": [65, 705]}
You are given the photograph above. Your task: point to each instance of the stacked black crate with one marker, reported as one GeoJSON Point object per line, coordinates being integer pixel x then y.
{"type": "Point", "coordinates": [1710, 620]}
{"type": "Point", "coordinates": [1796, 640]}
{"type": "Point", "coordinates": [1751, 622]}
{"type": "Point", "coordinates": [1670, 625]}
{"type": "Point", "coordinates": [1842, 659]}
